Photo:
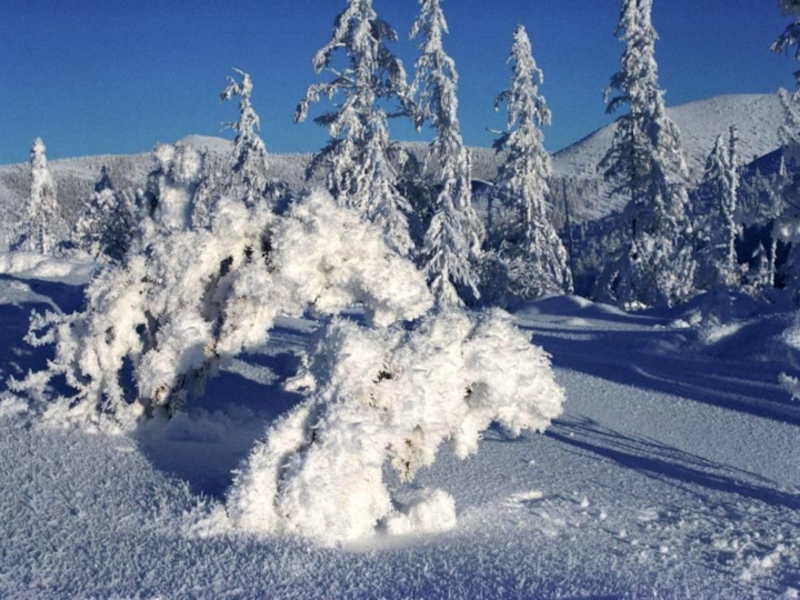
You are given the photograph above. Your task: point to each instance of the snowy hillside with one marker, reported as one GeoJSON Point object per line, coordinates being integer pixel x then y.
{"type": "Point", "coordinates": [610, 503]}
{"type": "Point", "coordinates": [757, 116]}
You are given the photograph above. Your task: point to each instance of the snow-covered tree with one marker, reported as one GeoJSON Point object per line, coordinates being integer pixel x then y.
{"type": "Point", "coordinates": [650, 260]}
{"type": "Point", "coordinates": [249, 158]}
{"type": "Point", "coordinates": [192, 298]}
{"type": "Point", "coordinates": [357, 161]}
{"type": "Point", "coordinates": [454, 234]}
{"type": "Point", "coordinates": [322, 473]}
{"type": "Point", "coordinates": [787, 225]}
{"type": "Point", "coordinates": [531, 251]}
{"type": "Point", "coordinates": [169, 198]}
{"type": "Point", "coordinates": [106, 225]}
{"type": "Point", "coordinates": [43, 227]}
{"type": "Point", "coordinates": [718, 229]}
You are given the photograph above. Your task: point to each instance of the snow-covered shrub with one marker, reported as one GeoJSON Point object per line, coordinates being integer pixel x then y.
{"type": "Point", "coordinates": [393, 396]}
{"type": "Point", "coordinates": [190, 299]}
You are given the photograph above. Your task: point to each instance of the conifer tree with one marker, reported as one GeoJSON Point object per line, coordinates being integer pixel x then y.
{"type": "Point", "coordinates": [532, 251]}
{"type": "Point", "coordinates": [43, 223]}
{"type": "Point", "coordinates": [650, 261]}
{"type": "Point", "coordinates": [106, 224]}
{"type": "Point", "coordinates": [787, 226]}
{"type": "Point", "coordinates": [719, 230]}
{"type": "Point", "coordinates": [357, 159]}
{"type": "Point", "coordinates": [453, 239]}
{"type": "Point", "coordinates": [249, 170]}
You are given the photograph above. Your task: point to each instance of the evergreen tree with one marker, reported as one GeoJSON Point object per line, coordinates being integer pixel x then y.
{"type": "Point", "coordinates": [787, 226]}
{"type": "Point", "coordinates": [531, 250]}
{"type": "Point", "coordinates": [650, 261]}
{"type": "Point", "coordinates": [43, 226]}
{"type": "Point", "coordinates": [357, 159]}
{"type": "Point", "coordinates": [248, 174]}
{"type": "Point", "coordinates": [453, 239]}
{"type": "Point", "coordinates": [106, 224]}
{"type": "Point", "coordinates": [719, 230]}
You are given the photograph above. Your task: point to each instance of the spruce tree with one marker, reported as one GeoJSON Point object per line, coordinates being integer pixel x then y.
{"type": "Point", "coordinates": [43, 224]}
{"type": "Point", "coordinates": [106, 224]}
{"type": "Point", "coordinates": [534, 255]}
{"type": "Point", "coordinates": [452, 243]}
{"type": "Point", "coordinates": [787, 226]}
{"type": "Point", "coordinates": [718, 264]}
{"type": "Point", "coordinates": [357, 159]}
{"type": "Point", "coordinates": [249, 169]}
{"type": "Point", "coordinates": [650, 261]}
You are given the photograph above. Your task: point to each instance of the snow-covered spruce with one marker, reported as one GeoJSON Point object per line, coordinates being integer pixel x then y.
{"type": "Point", "coordinates": [106, 224]}
{"type": "Point", "coordinates": [193, 298]}
{"type": "Point", "coordinates": [529, 252]}
{"type": "Point", "coordinates": [717, 228]}
{"type": "Point", "coordinates": [248, 173]}
{"type": "Point", "coordinates": [356, 162]}
{"type": "Point", "coordinates": [394, 395]}
{"type": "Point", "coordinates": [43, 227]}
{"type": "Point", "coordinates": [649, 259]}
{"type": "Point", "coordinates": [452, 242]}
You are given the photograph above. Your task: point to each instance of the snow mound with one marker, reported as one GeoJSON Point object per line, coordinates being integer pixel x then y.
{"type": "Point", "coordinates": [393, 396]}
{"type": "Point", "coordinates": [31, 265]}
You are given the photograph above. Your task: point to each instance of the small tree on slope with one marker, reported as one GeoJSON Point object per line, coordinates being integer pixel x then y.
{"type": "Point", "coordinates": [43, 227]}
{"type": "Point", "coordinates": [356, 160]}
{"type": "Point", "coordinates": [718, 265]}
{"type": "Point", "coordinates": [453, 239]}
{"type": "Point", "coordinates": [532, 253]}
{"type": "Point", "coordinates": [650, 261]}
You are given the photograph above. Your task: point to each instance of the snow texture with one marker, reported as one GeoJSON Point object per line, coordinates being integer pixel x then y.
{"type": "Point", "coordinates": [378, 396]}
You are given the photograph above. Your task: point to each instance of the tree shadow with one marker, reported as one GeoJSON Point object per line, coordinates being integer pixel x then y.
{"type": "Point", "coordinates": [204, 443]}
{"type": "Point", "coordinates": [662, 360]}
{"type": "Point", "coordinates": [667, 463]}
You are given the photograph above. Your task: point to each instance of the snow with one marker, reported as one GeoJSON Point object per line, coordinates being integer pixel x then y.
{"type": "Point", "coordinates": [671, 473]}
{"type": "Point", "coordinates": [757, 116]}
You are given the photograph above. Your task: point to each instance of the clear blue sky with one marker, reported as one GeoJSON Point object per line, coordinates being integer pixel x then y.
{"type": "Point", "coordinates": [101, 76]}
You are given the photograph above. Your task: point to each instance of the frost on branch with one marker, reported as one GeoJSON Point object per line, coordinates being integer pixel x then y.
{"type": "Point", "coordinates": [378, 397]}
{"type": "Point", "coordinates": [194, 298]}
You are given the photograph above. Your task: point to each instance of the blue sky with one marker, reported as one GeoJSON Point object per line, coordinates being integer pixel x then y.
{"type": "Point", "coordinates": [96, 76]}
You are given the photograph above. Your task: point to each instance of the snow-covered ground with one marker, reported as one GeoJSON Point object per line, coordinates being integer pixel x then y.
{"type": "Point", "coordinates": [674, 472]}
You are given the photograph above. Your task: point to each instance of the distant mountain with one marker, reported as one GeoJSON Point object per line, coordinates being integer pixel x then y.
{"type": "Point", "coordinates": [758, 117]}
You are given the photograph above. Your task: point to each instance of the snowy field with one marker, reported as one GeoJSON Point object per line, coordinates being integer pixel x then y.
{"type": "Point", "coordinates": [673, 473]}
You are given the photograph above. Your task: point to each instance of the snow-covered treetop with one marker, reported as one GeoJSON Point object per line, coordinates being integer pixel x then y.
{"type": "Point", "coordinates": [525, 106]}
{"type": "Point", "coordinates": [38, 159]}
{"type": "Point", "coordinates": [249, 152]}
{"type": "Point", "coordinates": [374, 70]}
{"type": "Point", "coordinates": [434, 84]}
{"type": "Point", "coordinates": [356, 161]}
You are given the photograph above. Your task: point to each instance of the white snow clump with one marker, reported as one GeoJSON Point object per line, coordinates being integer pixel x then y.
{"type": "Point", "coordinates": [389, 396]}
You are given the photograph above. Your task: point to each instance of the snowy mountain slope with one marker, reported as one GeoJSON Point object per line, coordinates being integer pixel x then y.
{"type": "Point", "coordinates": [757, 116]}
{"type": "Point", "coordinates": [673, 473]}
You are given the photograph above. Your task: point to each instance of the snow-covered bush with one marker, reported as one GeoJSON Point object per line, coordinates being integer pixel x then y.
{"type": "Point", "coordinates": [393, 396]}
{"type": "Point", "coordinates": [190, 299]}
